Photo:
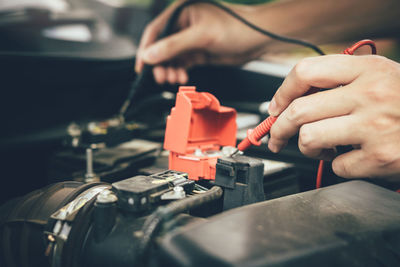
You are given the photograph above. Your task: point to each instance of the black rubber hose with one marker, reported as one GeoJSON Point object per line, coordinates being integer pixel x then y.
{"type": "Point", "coordinates": [154, 222]}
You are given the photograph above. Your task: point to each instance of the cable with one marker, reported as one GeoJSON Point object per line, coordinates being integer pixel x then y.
{"type": "Point", "coordinates": [320, 171]}
{"type": "Point", "coordinates": [141, 84]}
{"type": "Point", "coordinates": [348, 51]}
{"type": "Point", "coordinates": [354, 47]}
{"type": "Point", "coordinates": [255, 27]}
{"type": "Point", "coordinates": [153, 223]}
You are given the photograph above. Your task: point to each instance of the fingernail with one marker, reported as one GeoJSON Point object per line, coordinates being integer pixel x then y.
{"type": "Point", "coordinates": [150, 54]}
{"type": "Point", "coordinates": [272, 108]}
{"type": "Point", "coordinates": [273, 147]}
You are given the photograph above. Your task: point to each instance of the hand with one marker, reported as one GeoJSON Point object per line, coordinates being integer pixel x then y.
{"type": "Point", "coordinates": [364, 112]}
{"type": "Point", "coordinates": [205, 35]}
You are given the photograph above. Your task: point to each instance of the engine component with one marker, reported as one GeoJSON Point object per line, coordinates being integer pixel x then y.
{"type": "Point", "coordinates": [349, 224]}
{"type": "Point", "coordinates": [109, 132]}
{"type": "Point", "coordinates": [140, 192]}
{"type": "Point", "coordinates": [110, 164]}
{"type": "Point", "coordinates": [74, 224]}
{"type": "Point", "coordinates": [242, 179]}
{"type": "Point", "coordinates": [24, 220]}
{"type": "Point", "coordinates": [197, 129]}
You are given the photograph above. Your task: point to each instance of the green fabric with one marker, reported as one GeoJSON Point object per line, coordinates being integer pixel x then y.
{"type": "Point", "coordinates": [248, 2]}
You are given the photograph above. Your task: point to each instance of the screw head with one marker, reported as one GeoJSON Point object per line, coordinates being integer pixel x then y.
{"type": "Point", "coordinates": [106, 196]}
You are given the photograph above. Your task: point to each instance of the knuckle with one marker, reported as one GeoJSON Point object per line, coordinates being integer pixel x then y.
{"type": "Point", "coordinates": [382, 156]}
{"type": "Point", "coordinates": [306, 139]}
{"type": "Point", "coordinates": [381, 123]}
{"type": "Point", "coordinates": [295, 111]}
{"type": "Point", "coordinates": [302, 70]}
{"type": "Point", "coordinates": [205, 40]}
{"type": "Point", "coordinates": [377, 92]}
{"type": "Point", "coordinates": [149, 29]}
{"type": "Point", "coordinates": [379, 62]}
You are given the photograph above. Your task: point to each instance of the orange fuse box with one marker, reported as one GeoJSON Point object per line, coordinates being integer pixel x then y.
{"type": "Point", "coordinates": [197, 128]}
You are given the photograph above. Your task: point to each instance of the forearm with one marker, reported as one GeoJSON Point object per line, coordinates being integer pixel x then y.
{"type": "Point", "coordinates": [327, 20]}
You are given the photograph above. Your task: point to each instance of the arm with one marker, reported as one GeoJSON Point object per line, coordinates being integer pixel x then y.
{"type": "Point", "coordinates": [206, 35]}
{"type": "Point", "coordinates": [331, 20]}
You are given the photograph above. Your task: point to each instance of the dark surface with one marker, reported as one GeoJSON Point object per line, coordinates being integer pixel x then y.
{"type": "Point", "coordinates": [111, 164]}
{"type": "Point", "coordinates": [349, 224]}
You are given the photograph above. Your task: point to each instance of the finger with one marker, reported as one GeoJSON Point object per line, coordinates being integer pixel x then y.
{"type": "Point", "coordinates": [151, 33]}
{"type": "Point", "coordinates": [322, 72]}
{"type": "Point", "coordinates": [160, 74]}
{"type": "Point", "coordinates": [172, 76]}
{"type": "Point", "coordinates": [307, 109]}
{"type": "Point", "coordinates": [149, 36]}
{"type": "Point", "coordinates": [193, 58]}
{"type": "Point", "coordinates": [352, 164]}
{"type": "Point", "coordinates": [327, 134]}
{"type": "Point", "coordinates": [276, 145]}
{"type": "Point", "coordinates": [359, 164]}
{"type": "Point", "coordinates": [174, 45]}
{"type": "Point", "coordinates": [182, 76]}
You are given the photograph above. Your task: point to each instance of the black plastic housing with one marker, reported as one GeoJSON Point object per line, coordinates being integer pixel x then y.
{"type": "Point", "coordinates": [242, 179]}
{"type": "Point", "coordinates": [349, 224]}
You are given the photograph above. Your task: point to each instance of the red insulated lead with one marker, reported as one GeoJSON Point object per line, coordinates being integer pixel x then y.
{"type": "Point", "coordinates": [254, 136]}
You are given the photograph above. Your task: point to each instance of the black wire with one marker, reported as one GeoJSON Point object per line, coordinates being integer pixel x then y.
{"type": "Point", "coordinates": [141, 81]}
{"type": "Point", "coordinates": [255, 27]}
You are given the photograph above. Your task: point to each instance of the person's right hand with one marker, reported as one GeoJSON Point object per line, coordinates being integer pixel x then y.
{"type": "Point", "coordinates": [363, 110]}
{"type": "Point", "coordinates": [205, 35]}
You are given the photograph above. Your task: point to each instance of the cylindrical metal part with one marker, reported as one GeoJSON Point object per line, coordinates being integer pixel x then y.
{"type": "Point", "coordinates": [104, 215]}
{"type": "Point", "coordinates": [89, 162]}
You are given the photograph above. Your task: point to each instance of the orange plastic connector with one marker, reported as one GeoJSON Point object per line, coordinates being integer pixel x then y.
{"type": "Point", "coordinates": [197, 128]}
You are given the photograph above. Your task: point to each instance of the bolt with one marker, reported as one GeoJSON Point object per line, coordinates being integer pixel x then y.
{"type": "Point", "coordinates": [90, 176]}
{"type": "Point", "coordinates": [178, 189]}
{"type": "Point", "coordinates": [106, 196]}
{"type": "Point", "coordinates": [89, 163]}
{"type": "Point", "coordinates": [198, 152]}
{"type": "Point", "coordinates": [179, 192]}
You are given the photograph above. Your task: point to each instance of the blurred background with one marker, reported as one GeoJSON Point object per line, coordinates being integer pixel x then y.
{"type": "Point", "coordinates": [66, 66]}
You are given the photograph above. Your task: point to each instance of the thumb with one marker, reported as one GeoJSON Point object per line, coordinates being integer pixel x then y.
{"type": "Point", "coordinates": [174, 45]}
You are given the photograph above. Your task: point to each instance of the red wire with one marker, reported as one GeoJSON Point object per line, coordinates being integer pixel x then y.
{"type": "Point", "coordinates": [348, 51]}
{"type": "Point", "coordinates": [354, 47]}
{"type": "Point", "coordinates": [319, 174]}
